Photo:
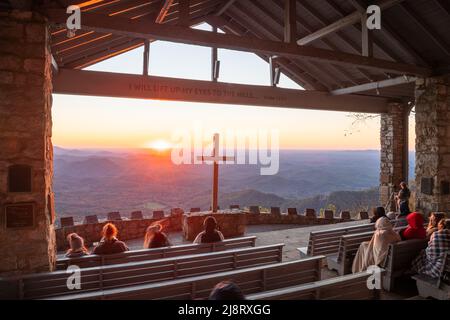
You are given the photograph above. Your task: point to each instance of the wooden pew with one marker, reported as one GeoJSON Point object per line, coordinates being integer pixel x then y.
{"type": "Point", "coordinates": [399, 259]}
{"type": "Point", "coordinates": [157, 253]}
{"type": "Point", "coordinates": [435, 287]}
{"type": "Point", "coordinates": [50, 284]}
{"type": "Point", "coordinates": [348, 287]}
{"type": "Point", "coordinates": [250, 280]}
{"type": "Point", "coordinates": [326, 242]}
{"type": "Point", "coordinates": [348, 246]}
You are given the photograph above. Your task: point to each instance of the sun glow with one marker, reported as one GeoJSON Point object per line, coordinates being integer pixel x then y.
{"type": "Point", "coordinates": [159, 145]}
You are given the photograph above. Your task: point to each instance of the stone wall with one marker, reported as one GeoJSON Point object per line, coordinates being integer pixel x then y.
{"type": "Point", "coordinates": [394, 150]}
{"type": "Point", "coordinates": [25, 139]}
{"type": "Point", "coordinates": [433, 143]}
{"type": "Point", "coordinates": [128, 230]}
{"type": "Point", "coordinates": [268, 218]}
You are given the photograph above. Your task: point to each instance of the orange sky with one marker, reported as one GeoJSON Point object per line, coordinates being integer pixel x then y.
{"type": "Point", "coordinates": [81, 121]}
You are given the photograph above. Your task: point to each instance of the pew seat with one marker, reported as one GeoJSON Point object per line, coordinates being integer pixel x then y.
{"type": "Point", "coordinates": [156, 253]}
{"type": "Point", "coordinates": [250, 280]}
{"type": "Point", "coordinates": [353, 286]}
{"type": "Point", "coordinates": [42, 285]}
{"type": "Point", "coordinates": [399, 258]}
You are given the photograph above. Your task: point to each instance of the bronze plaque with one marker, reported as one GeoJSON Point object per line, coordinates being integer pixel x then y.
{"type": "Point", "coordinates": [19, 178]}
{"type": "Point", "coordinates": [427, 185]}
{"type": "Point", "coordinates": [19, 215]}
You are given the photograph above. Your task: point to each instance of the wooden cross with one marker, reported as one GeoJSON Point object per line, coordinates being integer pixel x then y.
{"type": "Point", "coordinates": [215, 158]}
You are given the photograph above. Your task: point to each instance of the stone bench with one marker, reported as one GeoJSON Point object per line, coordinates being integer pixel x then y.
{"type": "Point", "coordinates": [250, 280]}
{"type": "Point", "coordinates": [435, 287]}
{"type": "Point", "coordinates": [326, 242]}
{"type": "Point", "coordinates": [399, 258]}
{"type": "Point", "coordinates": [156, 253]}
{"type": "Point", "coordinates": [67, 222]}
{"type": "Point", "coordinates": [136, 215]}
{"type": "Point", "coordinates": [348, 287]}
{"type": "Point", "coordinates": [52, 284]}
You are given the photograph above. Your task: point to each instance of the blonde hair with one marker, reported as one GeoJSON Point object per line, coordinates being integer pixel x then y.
{"type": "Point", "coordinates": [150, 233]}
{"type": "Point", "coordinates": [109, 231]}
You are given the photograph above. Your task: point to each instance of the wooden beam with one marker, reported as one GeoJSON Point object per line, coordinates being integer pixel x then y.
{"type": "Point", "coordinates": [224, 7]}
{"type": "Point", "coordinates": [348, 20]}
{"type": "Point", "coordinates": [148, 30]}
{"type": "Point", "coordinates": [94, 83]}
{"type": "Point", "coordinates": [374, 85]}
{"type": "Point", "coordinates": [164, 10]}
{"type": "Point", "coordinates": [183, 13]}
{"type": "Point", "coordinates": [290, 21]}
{"type": "Point", "coordinates": [366, 38]}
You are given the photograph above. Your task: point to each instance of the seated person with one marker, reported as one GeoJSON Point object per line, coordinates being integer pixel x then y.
{"type": "Point", "coordinates": [435, 218]}
{"type": "Point", "coordinates": [109, 243]}
{"type": "Point", "coordinates": [211, 234]}
{"type": "Point", "coordinates": [77, 248]}
{"type": "Point", "coordinates": [377, 213]}
{"type": "Point", "coordinates": [374, 252]}
{"type": "Point", "coordinates": [226, 290]}
{"type": "Point", "coordinates": [430, 260]}
{"type": "Point", "coordinates": [154, 238]}
{"type": "Point", "coordinates": [415, 229]}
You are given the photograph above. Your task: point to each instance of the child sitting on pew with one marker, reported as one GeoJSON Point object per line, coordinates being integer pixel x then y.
{"type": "Point", "coordinates": [77, 248]}
{"type": "Point", "coordinates": [109, 243]}
{"type": "Point", "coordinates": [154, 238]}
{"type": "Point", "coordinates": [211, 234]}
{"type": "Point", "coordinates": [435, 218]}
{"type": "Point", "coordinates": [415, 229]}
{"type": "Point", "coordinates": [430, 260]}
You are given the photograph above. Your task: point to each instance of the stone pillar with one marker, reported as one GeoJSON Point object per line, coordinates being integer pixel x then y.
{"type": "Point", "coordinates": [394, 151]}
{"type": "Point", "coordinates": [27, 236]}
{"type": "Point", "coordinates": [433, 144]}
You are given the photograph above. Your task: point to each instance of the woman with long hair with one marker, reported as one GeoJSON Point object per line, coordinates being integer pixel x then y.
{"type": "Point", "coordinates": [210, 234]}
{"type": "Point", "coordinates": [155, 238]}
{"type": "Point", "coordinates": [77, 248]}
{"type": "Point", "coordinates": [377, 213]}
{"type": "Point", "coordinates": [109, 243]}
{"type": "Point", "coordinates": [433, 222]}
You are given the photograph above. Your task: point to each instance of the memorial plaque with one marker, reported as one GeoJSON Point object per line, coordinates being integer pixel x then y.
{"type": "Point", "coordinates": [195, 210]}
{"type": "Point", "coordinates": [67, 222]}
{"type": "Point", "coordinates": [328, 214]}
{"type": "Point", "coordinates": [19, 215]}
{"type": "Point", "coordinates": [345, 215]}
{"type": "Point", "coordinates": [275, 210]}
{"type": "Point", "coordinates": [158, 214]}
{"type": "Point", "coordinates": [234, 206]}
{"type": "Point", "coordinates": [426, 186]}
{"type": "Point", "coordinates": [176, 212]}
{"type": "Point", "coordinates": [19, 178]}
{"type": "Point", "coordinates": [90, 219]}
{"type": "Point", "coordinates": [445, 187]}
{"type": "Point", "coordinates": [254, 210]}
{"type": "Point", "coordinates": [114, 216]}
{"type": "Point", "coordinates": [292, 211]}
{"type": "Point", "coordinates": [136, 215]}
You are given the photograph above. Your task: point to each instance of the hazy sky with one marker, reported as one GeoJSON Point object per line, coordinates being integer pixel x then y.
{"type": "Point", "coordinates": [81, 121]}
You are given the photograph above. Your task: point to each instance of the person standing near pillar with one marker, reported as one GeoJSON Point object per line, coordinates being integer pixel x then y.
{"type": "Point", "coordinates": [403, 199]}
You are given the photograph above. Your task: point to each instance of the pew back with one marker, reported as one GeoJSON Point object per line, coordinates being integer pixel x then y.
{"type": "Point", "coordinates": [250, 280]}
{"type": "Point", "coordinates": [353, 286]}
{"type": "Point", "coordinates": [157, 253]}
{"type": "Point", "coordinates": [144, 272]}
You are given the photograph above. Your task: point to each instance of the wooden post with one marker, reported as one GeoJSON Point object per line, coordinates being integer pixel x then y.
{"type": "Point", "coordinates": [214, 61]}
{"type": "Point", "coordinates": [146, 57]}
{"type": "Point", "coordinates": [290, 21]}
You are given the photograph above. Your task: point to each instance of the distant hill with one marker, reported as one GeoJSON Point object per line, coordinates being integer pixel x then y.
{"type": "Point", "coordinates": [98, 181]}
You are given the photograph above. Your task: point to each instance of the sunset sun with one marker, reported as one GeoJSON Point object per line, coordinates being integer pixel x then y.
{"type": "Point", "coordinates": [159, 145]}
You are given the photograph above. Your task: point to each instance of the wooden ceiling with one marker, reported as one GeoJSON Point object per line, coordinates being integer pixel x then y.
{"type": "Point", "coordinates": [414, 32]}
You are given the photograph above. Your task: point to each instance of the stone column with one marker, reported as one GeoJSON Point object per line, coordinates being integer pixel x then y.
{"type": "Point", "coordinates": [433, 144]}
{"type": "Point", "coordinates": [394, 151]}
{"type": "Point", "coordinates": [27, 236]}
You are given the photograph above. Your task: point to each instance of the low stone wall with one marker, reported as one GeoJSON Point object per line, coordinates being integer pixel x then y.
{"type": "Point", "coordinates": [128, 230]}
{"type": "Point", "coordinates": [269, 218]}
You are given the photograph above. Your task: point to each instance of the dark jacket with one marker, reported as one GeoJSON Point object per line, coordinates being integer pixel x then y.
{"type": "Point", "coordinates": [159, 240]}
{"type": "Point", "coordinates": [110, 247]}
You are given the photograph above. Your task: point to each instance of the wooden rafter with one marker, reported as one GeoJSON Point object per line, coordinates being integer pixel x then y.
{"type": "Point", "coordinates": [290, 21]}
{"type": "Point", "coordinates": [224, 7]}
{"type": "Point", "coordinates": [348, 20]}
{"type": "Point", "coordinates": [375, 85]}
{"type": "Point", "coordinates": [95, 83]}
{"type": "Point", "coordinates": [164, 10]}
